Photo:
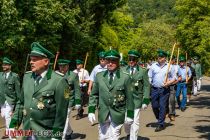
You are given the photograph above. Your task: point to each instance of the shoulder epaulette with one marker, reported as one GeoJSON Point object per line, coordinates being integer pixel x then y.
{"type": "Point", "coordinates": [15, 74]}
{"type": "Point", "coordinates": [126, 72]}
{"type": "Point", "coordinates": [28, 71]}
{"type": "Point", "coordinates": [59, 73]}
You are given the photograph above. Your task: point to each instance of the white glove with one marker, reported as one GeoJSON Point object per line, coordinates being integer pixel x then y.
{"type": "Point", "coordinates": [200, 78]}
{"type": "Point", "coordinates": [144, 106]}
{"type": "Point", "coordinates": [91, 117]}
{"type": "Point", "coordinates": [11, 131]}
{"type": "Point", "coordinates": [77, 106]}
{"type": "Point", "coordinates": [128, 120]}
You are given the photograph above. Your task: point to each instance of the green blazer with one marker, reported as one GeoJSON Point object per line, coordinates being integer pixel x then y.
{"type": "Point", "coordinates": [73, 82]}
{"type": "Point", "coordinates": [43, 107]}
{"type": "Point", "coordinates": [113, 100]}
{"type": "Point", "coordinates": [198, 72]}
{"type": "Point", "coordinates": [141, 86]}
{"type": "Point", "coordinates": [9, 88]}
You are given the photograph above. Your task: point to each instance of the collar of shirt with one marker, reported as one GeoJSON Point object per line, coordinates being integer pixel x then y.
{"type": "Point", "coordinates": [163, 65]}
{"type": "Point", "coordinates": [43, 75]}
{"type": "Point", "coordinates": [134, 70]}
{"type": "Point", "coordinates": [100, 67]}
{"type": "Point", "coordinates": [182, 67]}
{"type": "Point", "coordinates": [7, 74]}
{"type": "Point", "coordinates": [114, 74]}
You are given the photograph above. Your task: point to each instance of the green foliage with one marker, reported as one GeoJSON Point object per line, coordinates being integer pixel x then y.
{"type": "Point", "coordinates": [193, 30]}
{"type": "Point", "coordinates": [74, 27]}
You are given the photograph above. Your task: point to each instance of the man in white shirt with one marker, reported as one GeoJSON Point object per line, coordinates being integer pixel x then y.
{"type": "Point", "coordinates": [83, 81]}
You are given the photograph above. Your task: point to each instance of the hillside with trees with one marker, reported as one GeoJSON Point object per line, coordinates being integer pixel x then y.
{"type": "Point", "coordinates": [74, 27]}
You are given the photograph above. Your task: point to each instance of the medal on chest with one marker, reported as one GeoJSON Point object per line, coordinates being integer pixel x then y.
{"type": "Point", "coordinates": [40, 104]}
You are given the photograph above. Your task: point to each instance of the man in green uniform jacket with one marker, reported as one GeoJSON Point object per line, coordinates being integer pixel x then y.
{"type": "Point", "coordinates": [197, 79]}
{"type": "Point", "coordinates": [112, 91]}
{"type": "Point", "coordinates": [9, 91]}
{"type": "Point", "coordinates": [44, 99]}
{"type": "Point", "coordinates": [141, 92]}
{"type": "Point", "coordinates": [73, 82]}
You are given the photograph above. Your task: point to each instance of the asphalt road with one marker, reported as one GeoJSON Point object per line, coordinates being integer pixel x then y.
{"type": "Point", "coordinates": [193, 124]}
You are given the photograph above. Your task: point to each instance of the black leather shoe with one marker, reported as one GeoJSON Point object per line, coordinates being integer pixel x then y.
{"type": "Point", "coordinates": [68, 137]}
{"type": "Point", "coordinates": [159, 128]}
{"type": "Point", "coordinates": [4, 137]}
{"type": "Point", "coordinates": [78, 117]}
{"type": "Point", "coordinates": [182, 109]}
{"type": "Point", "coordinates": [128, 137]}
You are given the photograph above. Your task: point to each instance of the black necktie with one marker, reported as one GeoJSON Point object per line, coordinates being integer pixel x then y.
{"type": "Point", "coordinates": [111, 78]}
{"type": "Point", "coordinates": [5, 76]}
{"type": "Point", "coordinates": [132, 70]}
{"type": "Point", "coordinates": [37, 79]}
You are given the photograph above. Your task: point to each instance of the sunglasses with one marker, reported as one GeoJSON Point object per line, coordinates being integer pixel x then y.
{"type": "Point", "coordinates": [101, 58]}
{"type": "Point", "coordinates": [132, 59]}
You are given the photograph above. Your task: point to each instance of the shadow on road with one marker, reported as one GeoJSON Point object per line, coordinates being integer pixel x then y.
{"type": "Point", "coordinates": [78, 136]}
{"type": "Point", "coordinates": [154, 124]}
{"type": "Point", "coordinates": [139, 138]}
{"type": "Point", "coordinates": [205, 130]}
{"type": "Point", "coordinates": [205, 88]}
{"type": "Point", "coordinates": [201, 102]}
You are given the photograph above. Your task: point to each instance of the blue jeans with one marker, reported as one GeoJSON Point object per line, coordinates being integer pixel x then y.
{"type": "Point", "coordinates": [181, 87]}
{"type": "Point", "coordinates": [159, 97]}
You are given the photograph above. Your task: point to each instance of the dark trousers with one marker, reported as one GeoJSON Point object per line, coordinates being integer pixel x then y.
{"type": "Point", "coordinates": [159, 97]}
{"type": "Point", "coordinates": [171, 104]}
{"type": "Point", "coordinates": [84, 100]}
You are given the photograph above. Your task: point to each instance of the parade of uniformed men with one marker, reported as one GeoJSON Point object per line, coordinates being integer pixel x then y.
{"type": "Point", "coordinates": [44, 99]}
{"type": "Point", "coordinates": [75, 100]}
{"type": "Point", "coordinates": [9, 91]}
{"type": "Point", "coordinates": [140, 90]}
{"type": "Point", "coordinates": [117, 93]}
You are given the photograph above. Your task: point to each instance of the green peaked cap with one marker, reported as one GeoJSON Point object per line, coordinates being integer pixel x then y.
{"type": "Point", "coordinates": [101, 54]}
{"type": "Point", "coordinates": [78, 61]}
{"type": "Point", "coordinates": [112, 54]}
{"type": "Point", "coordinates": [7, 61]}
{"type": "Point", "coordinates": [182, 58]}
{"type": "Point", "coordinates": [195, 58]}
{"type": "Point", "coordinates": [134, 53]}
{"type": "Point", "coordinates": [162, 53]}
{"type": "Point", "coordinates": [63, 62]}
{"type": "Point", "coordinates": [38, 50]}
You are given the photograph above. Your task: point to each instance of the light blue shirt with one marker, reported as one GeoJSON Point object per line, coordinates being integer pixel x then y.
{"type": "Point", "coordinates": [95, 70]}
{"type": "Point", "coordinates": [182, 72]}
{"type": "Point", "coordinates": [157, 74]}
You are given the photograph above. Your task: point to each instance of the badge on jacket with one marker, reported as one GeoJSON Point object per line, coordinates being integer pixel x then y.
{"type": "Point", "coordinates": [40, 104]}
{"type": "Point", "coordinates": [24, 112]}
{"type": "Point", "coordinates": [67, 93]}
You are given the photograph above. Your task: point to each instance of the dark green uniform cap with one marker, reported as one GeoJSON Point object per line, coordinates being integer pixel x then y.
{"type": "Point", "coordinates": [38, 50]}
{"type": "Point", "coordinates": [78, 61]}
{"type": "Point", "coordinates": [134, 53]}
{"type": "Point", "coordinates": [195, 58]}
{"type": "Point", "coordinates": [161, 53]}
{"type": "Point", "coordinates": [101, 54]}
{"type": "Point", "coordinates": [182, 58]}
{"type": "Point", "coordinates": [7, 61]}
{"type": "Point", "coordinates": [112, 54]}
{"type": "Point", "coordinates": [63, 62]}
